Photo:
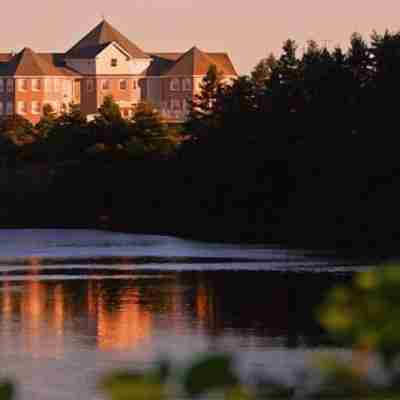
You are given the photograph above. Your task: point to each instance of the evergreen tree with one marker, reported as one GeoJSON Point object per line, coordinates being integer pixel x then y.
{"type": "Point", "coordinates": [150, 135]}
{"type": "Point", "coordinates": [262, 71]}
{"type": "Point", "coordinates": [109, 126]}
{"type": "Point", "coordinates": [201, 119]}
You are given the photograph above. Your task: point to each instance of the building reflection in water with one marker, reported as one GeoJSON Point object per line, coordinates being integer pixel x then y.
{"type": "Point", "coordinates": [43, 309]}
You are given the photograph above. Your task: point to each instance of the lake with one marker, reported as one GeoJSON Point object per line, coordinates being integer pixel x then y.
{"type": "Point", "coordinates": [75, 304]}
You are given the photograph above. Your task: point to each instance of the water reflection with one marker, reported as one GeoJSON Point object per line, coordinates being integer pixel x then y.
{"type": "Point", "coordinates": [115, 315]}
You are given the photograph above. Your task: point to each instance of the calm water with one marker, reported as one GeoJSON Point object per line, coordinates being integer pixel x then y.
{"type": "Point", "coordinates": [75, 304]}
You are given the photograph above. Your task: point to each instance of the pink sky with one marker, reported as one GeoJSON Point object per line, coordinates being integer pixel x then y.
{"type": "Point", "coordinates": [248, 30]}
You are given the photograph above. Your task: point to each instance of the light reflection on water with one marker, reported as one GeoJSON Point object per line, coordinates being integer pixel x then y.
{"type": "Point", "coordinates": [63, 325]}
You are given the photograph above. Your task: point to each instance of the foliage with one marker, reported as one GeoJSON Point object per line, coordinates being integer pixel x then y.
{"type": "Point", "coordinates": [7, 391]}
{"type": "Point", "coordinates": [17, 129]}
{"type": "Point", "coordinates": [150, 135]}
{"type": "Point", "coordinates": [210, 375]}
{"type": "Point", "coordinates": [47, 122]}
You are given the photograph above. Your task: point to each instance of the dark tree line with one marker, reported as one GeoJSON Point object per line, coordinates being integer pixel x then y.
{"type": "Point", "coordinates": [303, 151]}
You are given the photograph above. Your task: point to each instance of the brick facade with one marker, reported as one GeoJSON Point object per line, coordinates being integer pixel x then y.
{"type": "Point", "coordinates": [104, 63]}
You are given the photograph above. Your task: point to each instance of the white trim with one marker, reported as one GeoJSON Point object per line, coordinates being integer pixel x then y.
{"type": "Point", "coordinates": [117, 46]}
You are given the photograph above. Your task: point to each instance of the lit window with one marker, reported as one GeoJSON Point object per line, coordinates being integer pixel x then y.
{"type": "Point", "coordinates": [175, 85]}
{"type": "Point", "coordinates": [114, 62]}
{"type": "Point", "coordinates": [10, 108]}
{"type": "Point", "coordinates": [105, 84]}
{"type": "Point", "coordinates": [22, 107]}
{"type": "Point", "coordinates": [187, 84]}
{"type": "Point", "coordinates": [67, 88]}
{"type": "Point", "coordinates": [47, 85]}
{"type": "Point", "coordinates": [22, 85]}
{"type": "Point", "coordinates": [1, 108]}
{"type": "Point", "coordinates": [1, 85]}
{"type": "Point", "coordinates": [10, 85]}
{"type": "Point", "coordinates": [36, 84]}
{"type": "Point", "coordinates": [36, 107]}
{"type": "Point", "coordinates": [89, 85]}
{"type": "Point", "coordinates": [123, 85]}
{"type": "Point", "coordinates": [56, 85]}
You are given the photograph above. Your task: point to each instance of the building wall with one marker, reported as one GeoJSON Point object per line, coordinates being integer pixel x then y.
{"type": "Point", "coordinates": [7, 97]}
{"type": "Point", "coordinates": [125, 65]}
{"type": "Point", "coordinates": [28, 100]}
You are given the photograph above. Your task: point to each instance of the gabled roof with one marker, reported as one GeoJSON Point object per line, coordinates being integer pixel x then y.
{"type": "Point", "coordinates": [193, 62]}
{"type": "Point", "coordinates": [29, 63]}
{"type": "Point", "coordinates": [103, 34]}
{"type": "Point", "coordinates": [197, 62]}
{"type": "Point", "coordinates": [224, 63]}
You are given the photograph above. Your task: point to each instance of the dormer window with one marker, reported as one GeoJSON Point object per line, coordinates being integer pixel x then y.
{"type": "Point", "coordinates": [114, 62]}
{"type": "Point", "coordinates": [175, 85]}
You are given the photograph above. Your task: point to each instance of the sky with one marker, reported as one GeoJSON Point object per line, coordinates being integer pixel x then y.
{"type": "Point", "coordinates": [248, 30]}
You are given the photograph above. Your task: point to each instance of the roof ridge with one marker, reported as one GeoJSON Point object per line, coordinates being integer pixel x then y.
{"type": "Point", "coordinates": [102, 33]}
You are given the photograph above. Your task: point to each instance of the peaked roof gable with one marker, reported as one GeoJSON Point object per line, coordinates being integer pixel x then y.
{"type": "Point", "coordinates": [27, 63]}
{"type": "Point", "coordinates": [193, 62]}
{"type": "Point", "coordinates": [104, 34]}
{"type": "Point", "coordinates": [196, 62]}
{"type": "Point", "coordinates": [167, 63]}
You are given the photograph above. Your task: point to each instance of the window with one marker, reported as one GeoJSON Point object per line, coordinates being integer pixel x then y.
{"type": "Point", "coordinates": [134, 84]}
{"type": "Point", "coordinates": [1, 108]}
{"type": "Point", "coordinates": [187, 84]}
{"type": "Point", "coordinates": [10, 85]}
{"type": "Point", "coordinates": [64, 107]}
{"type": "Point", "coordinates": [67, 88]}
{"type": "Point", "coordinates": [23, 85]}
{"type": "Point", "coordinates": [1, 85]}
{"type": "Point", "coordinates": [175, 104]}
{"type": "Point", "coordinates": [56, 85]}
{"type": "Point", "coordinates": [105, 84]}
{"type": "Point", "coordinates": [36, 84]}
{"type": "Point", "coordinates": [22, 107]}
{"type": "Point", "coordinates": [114, 62]}
{"type": "Point", "coordinates": [123, 85]}
{"type": "Point", "coordinates": [36, 107]}
{"type": "Point", "coordinates": [89, 85]}
{"type": "Point", "coordinates": [10, 108]}
{"type": "Point", "coordinates": [47, 85]}
{"type": "Point", "coordinates": [175, 85]}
